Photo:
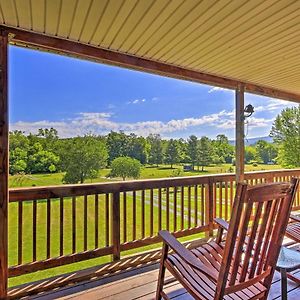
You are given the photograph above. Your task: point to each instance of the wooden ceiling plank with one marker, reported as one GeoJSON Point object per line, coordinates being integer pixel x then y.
{"type": "Point", "coordinates": [250, 60]}
{"type": "Point", "coordinates": [210, 26]}
{"type": "Point", "coordinates": [119, 22]}
{"type": "Point", "coordinates": [81, 13]}
{"type": "Point", "coordinates": [9, 12]}
{"type": "Point", "coordinates": [216, 37]}
{"type": "Point", "coordinates": [159, 21]}
{"type": "Point", "coordinates": [38, 15]}
{"type": "Point", "coordinates": [148, 20]}
{"type": "Point", "coordinates": [112, 8]}
{"type": "Point", "coordinates": [276, 40]}
{"type": "Point", "coordinates": [120, 59]}
{"type": "Point", "coordinates": [53, 14]}
{"type": "Point", "coordinates": [68, 9]}
{"type": "Point", "coordinates": [23, 8]}
{"type": "Point", "coordinates": [175, 20]}
{"type": "Point", "coordinates": [267, 28]}
{"type": "Point", "coordinates": [134, 19]}
{"type": "Point", "coordinates": [228, 40]}
{"type": "Point", "coordinates": [96, 12]}
{"type": "Point", "coordinates": [224, 28]}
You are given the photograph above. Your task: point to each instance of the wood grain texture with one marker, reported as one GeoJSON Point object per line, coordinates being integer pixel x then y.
{"type": "Point", "coordinates": [4, 169]}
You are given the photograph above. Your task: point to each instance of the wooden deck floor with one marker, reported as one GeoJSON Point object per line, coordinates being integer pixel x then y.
{"type": "Point", "coordinates": [141, 284]}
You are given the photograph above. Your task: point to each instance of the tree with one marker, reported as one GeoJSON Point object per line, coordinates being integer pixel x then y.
{"type": "Point", "coordinates": [40, 160]}
{"type": "Point", "coordinates": [82, 158]}
{"type": "Point", "coordinates": [192, 150]}
{"type": "Point", "coordinates": [156, 149]}
{"type": "Point", "coordinates": [117, 145]}
{"type": "Point", "coordinates": [125, 167]}
{"type": "Point", "coordinates": [172, 153]}
{"type": "Point", "coordinates": [223, 149]}
{"type": "Point", "coordinates": [205, 154]}
{"type": "Point", "coordinates": [137, 148]}
{"type": "Point", "coordinates": [250, 154]}
{"type": "Point", "coordinates": [286, 134]}
{"type": "Point", "coordinates": [266, 152]}
{"type": "Point", "coordinates": [18, 152]}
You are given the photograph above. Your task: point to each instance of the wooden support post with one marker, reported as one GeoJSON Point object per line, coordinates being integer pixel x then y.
{"type": "Point", "coordinates": [239, 134]}
{"type": "Point", "coordinates": [116, 226]}
{"type": "Point", "coordinates": [209, 208]}
{"type": "Point", "coordinates": [3, 167]}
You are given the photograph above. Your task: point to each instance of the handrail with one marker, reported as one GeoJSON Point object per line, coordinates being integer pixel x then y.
{"type": "Point", "coordinates": [69, 190]}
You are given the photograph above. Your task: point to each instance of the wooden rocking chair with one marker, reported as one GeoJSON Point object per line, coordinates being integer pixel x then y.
{"type": "Point", "coordinates": [243, 267]}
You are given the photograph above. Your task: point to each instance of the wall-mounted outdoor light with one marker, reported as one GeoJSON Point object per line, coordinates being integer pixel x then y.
{"type": "Point", "coordinates": [248, 111]}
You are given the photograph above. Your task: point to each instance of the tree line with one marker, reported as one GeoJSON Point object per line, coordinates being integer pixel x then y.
{"type": "Point", "coordinates": [82, 157]}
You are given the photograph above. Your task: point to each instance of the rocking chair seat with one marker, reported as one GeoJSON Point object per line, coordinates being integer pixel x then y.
{"type": "Point", "coordinates": [201, 286]}
{"type": "Point", "coordinates": [293, 231]}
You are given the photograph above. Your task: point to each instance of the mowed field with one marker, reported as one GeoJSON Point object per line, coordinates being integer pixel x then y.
{"type": "Point", "coordinates": [147, 172]}
{"type": "Point", "coordinates": [55, 179]}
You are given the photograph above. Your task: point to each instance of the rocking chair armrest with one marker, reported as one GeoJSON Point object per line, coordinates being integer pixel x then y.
{"type": "Point", "coordinates": [294, 218]}
{"type": "Point", "coordinates": [187, 255]}
{"type": "Point", "coordinates": [222, 223]}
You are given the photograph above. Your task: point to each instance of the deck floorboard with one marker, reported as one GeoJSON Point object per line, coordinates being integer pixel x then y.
{"type": "Point", "coordinates": [141, 284]}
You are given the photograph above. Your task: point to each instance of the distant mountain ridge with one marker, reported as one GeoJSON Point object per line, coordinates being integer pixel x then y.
{"type": "Point", "coordinates": [252, 141]}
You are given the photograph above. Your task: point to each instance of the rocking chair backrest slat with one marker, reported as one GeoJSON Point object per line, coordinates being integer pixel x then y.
{"type": "Point", "coordinates": [259, 218]}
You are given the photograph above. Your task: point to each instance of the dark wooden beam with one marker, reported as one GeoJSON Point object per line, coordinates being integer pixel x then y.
{"type": "Point", "coordinates": [85, 51]}
{"type": "Point", "coordinates": [239, 134]}
{"type": "Point", "coordinates": [3, 166]}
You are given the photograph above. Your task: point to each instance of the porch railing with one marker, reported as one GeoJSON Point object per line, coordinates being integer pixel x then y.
{"type": "Point", "coordinates": [58, 225]}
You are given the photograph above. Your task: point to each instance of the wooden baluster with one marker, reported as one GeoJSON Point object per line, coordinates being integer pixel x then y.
{"type": "Point", "coordinates": [107, 211]}
{"type": "Point", "coordinates": [20, 232]}
{"type": "Point", "coordinates": [73, 224]}
{"type": "Point", "coordinates": [189, 207]}
{"type": "Point", "coordinates": [48, 229]}
{"type": "Point", "coordinates": [159, 209]}
{"type": "Point", "coordinates": [34, 217]}
{"type": "Point", "coordinates": [61, 240]}
{"type": "Point", "coordinates": [85, 222]}
{"type": "Point", "coordinates": [124, 217]}
{"type": "Point", "coordinates": [96, 221]}
{"type": "Point", "coordinates": [202, 205]}
{"type": "Point", "coordinates": [168, 208]}
{"type": "Point", "coordinates": [220, 200]}
{"type": "Point", "coordinates": [196, 205]}
{"type": "Point", "coordinates": [134, 215]}
{"type": "Point", "coordinates": [226, 200]}
{"type": "Point", "coordinates": [175, 209]}
{"type": "Point", "coordinates": [151, 213]}
{"type": "Point", "coordinates": [182, 207]}
{"type": "Point", "coordinates": [214, 199]}
{"type": "Point", "coordinates": [116, 226]}
{"type": "Point", "coordinates": [231, 195]}
{"type": "Point", "coordinates": [143, 214]}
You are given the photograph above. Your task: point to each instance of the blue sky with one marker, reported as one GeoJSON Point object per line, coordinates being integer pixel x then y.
{"type": "Point", "coordinates": [77, 97]}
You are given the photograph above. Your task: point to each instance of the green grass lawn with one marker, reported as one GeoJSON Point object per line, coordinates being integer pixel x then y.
{"type": "Point", "coordinates": [147, 172]}
{"type": "Point", "coordinates": [55, 179]}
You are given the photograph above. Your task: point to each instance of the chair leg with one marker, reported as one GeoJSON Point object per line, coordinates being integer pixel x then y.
{"type": "Point", "coordinates": [162, 271]}
{"type": "Point", "coordinates": [283, 284]}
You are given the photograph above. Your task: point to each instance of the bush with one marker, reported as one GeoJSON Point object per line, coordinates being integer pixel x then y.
{"type": "Point", "coordinates": [125, 167]}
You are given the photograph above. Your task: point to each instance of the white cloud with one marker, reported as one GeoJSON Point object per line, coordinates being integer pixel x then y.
{"type": "Point", "coordinates": [273, 104]}
{"type": "Point", "coordinates": [103, 122]}
{"type": "Point", "coordinates": [216, 89]}
{"type": "Point", "coordinates": [136, 101]}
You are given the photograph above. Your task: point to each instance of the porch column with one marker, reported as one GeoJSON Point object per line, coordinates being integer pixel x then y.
{"type": "Point", "coordinates": [3, 166]}
{"type": "Point", "coordinates": [239, 133]}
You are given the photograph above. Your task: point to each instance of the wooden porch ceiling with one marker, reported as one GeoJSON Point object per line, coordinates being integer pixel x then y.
{"type": "Point", "coordinates": [221, 43]}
